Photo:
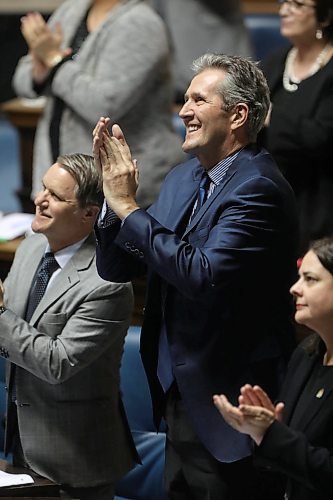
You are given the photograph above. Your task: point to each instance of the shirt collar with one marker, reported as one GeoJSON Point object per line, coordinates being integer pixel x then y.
{"type": "Point", "coordinates": [65, 254]}
{"type": "Point", "coordinates": [217, 172]}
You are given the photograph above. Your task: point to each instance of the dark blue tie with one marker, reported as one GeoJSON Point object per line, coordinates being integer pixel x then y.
{"type": "Point", "coordinates": [47, 268]}
{"type": "Point", "coordinates": [202, 194]}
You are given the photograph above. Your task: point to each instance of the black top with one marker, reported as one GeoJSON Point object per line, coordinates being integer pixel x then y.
{"type": "Point", "coordinates": [59, 105]}
{"type": "Point", "coordinates": [300, 138]}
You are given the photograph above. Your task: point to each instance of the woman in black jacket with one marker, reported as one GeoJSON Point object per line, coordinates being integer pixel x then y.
{"type": "Point", "coordinates": [296, 437]}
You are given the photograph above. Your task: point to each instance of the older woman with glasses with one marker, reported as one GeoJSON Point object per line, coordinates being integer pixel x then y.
{"type": "Point", "coordinates": [295, 437]}
{"type": "Point", "coordinates": [299, 131]}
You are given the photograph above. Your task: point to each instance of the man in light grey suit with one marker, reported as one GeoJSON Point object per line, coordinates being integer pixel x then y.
{"type": "Point", "coordinates": [65, 418]}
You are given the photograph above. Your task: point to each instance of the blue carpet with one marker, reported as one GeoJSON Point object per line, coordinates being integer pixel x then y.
{"type": "Point", "coordinates": [9, 167]}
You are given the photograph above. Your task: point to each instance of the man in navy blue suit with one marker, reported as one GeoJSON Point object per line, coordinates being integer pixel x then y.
{"type": "Point", "coordinates": [220, 265]}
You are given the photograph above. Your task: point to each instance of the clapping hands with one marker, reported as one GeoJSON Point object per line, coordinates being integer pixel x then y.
{"type": "Point", "coordinates": [45, 44]}
{"type": "Point", "coordinates": [255, 412]}
{"type": "Point", "coordinates": [120, 172]}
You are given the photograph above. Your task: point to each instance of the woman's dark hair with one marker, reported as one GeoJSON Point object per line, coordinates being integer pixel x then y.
{"type": "Point", "coordinates": [324, 13]}
{"type": "Point", "coordinates": [323, 249]}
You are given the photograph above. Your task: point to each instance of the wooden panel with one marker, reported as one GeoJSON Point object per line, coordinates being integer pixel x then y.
{"type": "Point", "coordinates": [24, 114]}
{"type": "Point", "coordinates": [260, 6]}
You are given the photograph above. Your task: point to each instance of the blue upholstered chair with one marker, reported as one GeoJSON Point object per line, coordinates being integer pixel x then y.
{"type": "Point", "coordinates": [265, 33]}
{"type": "Point", "coordinates": [144, 482]}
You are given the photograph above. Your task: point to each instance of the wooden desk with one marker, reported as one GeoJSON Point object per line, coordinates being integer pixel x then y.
{"type": "Point", "coordinates": [24, 117]}
{"type": "Point", "coordinates": [41, 488]}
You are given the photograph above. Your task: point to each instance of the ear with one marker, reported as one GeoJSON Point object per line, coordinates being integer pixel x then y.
{"type": "Point", "coordinates": [90, 213]}
{"type": "Point", "coordinates": [239, 116]}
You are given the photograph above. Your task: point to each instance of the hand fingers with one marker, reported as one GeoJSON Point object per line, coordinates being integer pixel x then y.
{"type": "Point", "coordinates": [58, 30]}
{"type": "Point", "coordinates": [256, 397]}
{"type": "Point", "coordinates": [263, 398]}
{"type": "Point", "coordinates": [108, 145]}
{"type": "Point", "coordinates": [118, 134]}
{"type": "Point", "coordinates": [101, 125]}
{"type": "Point", "coordinates": [259, 414]}
{"type": "Point", "coordinates": [96, 146]}
{"type": "Point", "coordinates": [119, 137]}
{"type": "Point", "coordinates": [230, 413]}
{"type": "Point", "coordinates": [135, 165]}
{"type": "Point", "coordinates": [104, 160]}
{"type": "Point", "coordinates": [247, 396]}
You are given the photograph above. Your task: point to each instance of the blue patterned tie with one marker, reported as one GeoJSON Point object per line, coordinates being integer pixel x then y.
{"type": "Point", "coordinates": [47, 268]}
{"type": "Point", "coordinates": [202, 194]}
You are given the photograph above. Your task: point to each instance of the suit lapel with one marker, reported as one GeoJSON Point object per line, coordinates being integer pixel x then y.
{"type": "Point", "coordinates": [180, 210]}
{"type": "Point", "coordinates": [67, 278]}
{"type": "Point", "coordinates": [218, 191]}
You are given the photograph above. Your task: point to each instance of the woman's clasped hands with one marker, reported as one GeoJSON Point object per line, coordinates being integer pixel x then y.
{"type": "Point", "coordinates": [255, 413]}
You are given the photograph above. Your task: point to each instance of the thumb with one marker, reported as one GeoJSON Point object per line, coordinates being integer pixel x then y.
{"type": "Point", "coordinates": [58, 30]}
{"type": "Point", "coordinates": [279, 409]}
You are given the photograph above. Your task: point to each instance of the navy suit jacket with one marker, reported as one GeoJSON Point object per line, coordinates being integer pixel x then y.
{"type": "Point", "coordinates": [226, 279]}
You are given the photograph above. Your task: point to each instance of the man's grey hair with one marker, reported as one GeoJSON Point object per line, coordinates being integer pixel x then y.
{"type": "Point", "coordinates": [89, 189]}
{"type": "Point", "coordinates": [244, 82]}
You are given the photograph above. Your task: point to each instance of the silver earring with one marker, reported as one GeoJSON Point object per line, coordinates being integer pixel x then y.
{"type": "Point", "coordinates": [319, 34]}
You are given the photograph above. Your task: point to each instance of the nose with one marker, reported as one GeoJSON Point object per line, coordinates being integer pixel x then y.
{"type": "Point", "coordinates": [285, 6]}
{"type": "Point", "coordinates": [41, 198]}
{"type": "Point", "coordinates": [296, 289]}
{"type": "Point", "coordinates": [186, 111]}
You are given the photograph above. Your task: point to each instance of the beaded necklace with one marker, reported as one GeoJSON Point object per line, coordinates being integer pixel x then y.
{"type": "Point", "coordinates": [290, 83]}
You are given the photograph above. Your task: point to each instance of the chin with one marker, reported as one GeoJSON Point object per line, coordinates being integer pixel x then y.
{"type": "Point", "coordinates": [299, 317]}
{"type": "Point", "coordinates": [36, 228]}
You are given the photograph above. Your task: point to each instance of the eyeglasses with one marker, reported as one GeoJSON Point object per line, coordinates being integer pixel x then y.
{"type": "Point", "coordinates": [295, 5]}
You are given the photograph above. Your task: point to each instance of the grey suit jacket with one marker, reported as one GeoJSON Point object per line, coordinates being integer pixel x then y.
{"type": "Point", "coordinates": [71, 419]}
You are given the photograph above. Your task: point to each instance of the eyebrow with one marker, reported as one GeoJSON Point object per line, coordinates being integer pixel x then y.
{"type": "Point", "coordinates": [53, 191]}
{"type": "Point", "coordinates": [195, 95]}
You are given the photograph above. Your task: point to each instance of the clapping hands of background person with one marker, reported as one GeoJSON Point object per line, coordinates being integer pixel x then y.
{"type": "Point", "coordinates": [45, 44]}
{"type": "Point", "coordinates": [255, 413]}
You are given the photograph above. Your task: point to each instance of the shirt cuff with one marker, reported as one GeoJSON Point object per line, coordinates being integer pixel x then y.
{"type": "Point", "coordinates": [107, 217]}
